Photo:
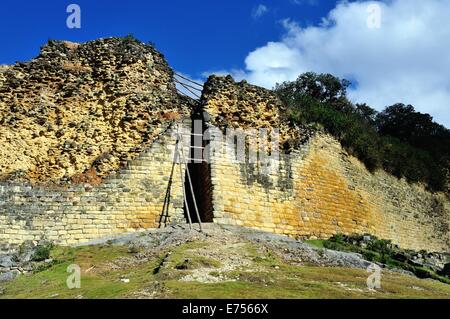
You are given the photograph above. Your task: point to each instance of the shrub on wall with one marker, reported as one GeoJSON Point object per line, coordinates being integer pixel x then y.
{"type": "Point", "coordinates": [403, 142]}
{"type": "Point", "coordinates": [42, 252]}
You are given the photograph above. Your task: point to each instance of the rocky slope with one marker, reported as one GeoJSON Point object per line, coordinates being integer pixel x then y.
{"type": "Point", "coordinates": [83, 108]}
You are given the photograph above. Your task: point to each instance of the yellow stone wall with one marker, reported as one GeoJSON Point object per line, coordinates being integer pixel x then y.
{"type": "Point", "coordinates": [320, 191]}
{"type": "Point", "coordinates": [130, 200]}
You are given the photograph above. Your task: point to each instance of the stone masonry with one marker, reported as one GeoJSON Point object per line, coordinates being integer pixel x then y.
{"type": "Point", "coordinates": [320, 191]}
{"type": "Point", "coordinates": [317, 190]}
{"type": "Point", "coordinates": [130, 200]}
{"type": "Point", "coordinates": [87, 151]}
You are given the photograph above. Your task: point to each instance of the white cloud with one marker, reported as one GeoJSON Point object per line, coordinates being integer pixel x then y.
{"type": "Point", "coordinates": [406, 60]}
{"type": "Point", "coordinates": [259, 11]}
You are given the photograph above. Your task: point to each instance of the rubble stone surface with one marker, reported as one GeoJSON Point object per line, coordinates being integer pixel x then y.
{"type": "Point", "coordinates": [83, 108]}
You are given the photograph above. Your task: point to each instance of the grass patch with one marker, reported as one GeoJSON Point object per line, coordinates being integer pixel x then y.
{"type": "Point", "coordinates": [98, 280]}
{"type": "Point", "coordinates": [382, 251]}
{"type": "Point", "coordinates": [318, 243]}
{"type": "Point", "coordinates": [183, 256]}
{"type": "Point", "coordinates": [300, 282]}
{"type": "Point", "coordinates": [267, 278]}
{"type": "Point", "coordinates": [198, 262]}
{"type": "Point", "coordinates": [262, 256]}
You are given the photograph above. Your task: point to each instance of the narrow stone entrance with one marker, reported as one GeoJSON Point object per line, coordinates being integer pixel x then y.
{"type": "Point", "coordinates": [200, 173]}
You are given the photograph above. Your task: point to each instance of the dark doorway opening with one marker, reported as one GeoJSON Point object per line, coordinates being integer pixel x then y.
{"type": "Point", "coordinates": [200, 172]}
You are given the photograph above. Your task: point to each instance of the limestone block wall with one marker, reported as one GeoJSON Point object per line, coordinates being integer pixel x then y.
{"type": "Point", "coordinates": [130, 200]}
{"type": "Point", "coordinates": [319, 190]}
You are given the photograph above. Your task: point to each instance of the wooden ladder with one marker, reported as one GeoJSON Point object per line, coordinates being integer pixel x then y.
{"type": "Point", "coordinates": [180, 155]}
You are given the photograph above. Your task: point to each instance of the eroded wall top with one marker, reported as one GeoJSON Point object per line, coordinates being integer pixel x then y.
{"type": "Point", "coordinates": [79, 107]}
{"type": "Point", "coordinates": [241, 105]}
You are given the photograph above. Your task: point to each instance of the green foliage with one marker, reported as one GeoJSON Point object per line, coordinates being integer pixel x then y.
{"type": "Point", "coordinates": [133, 249]}
{"type": "Point", "coordinates": [259, 280]}
{"type": "Point", "coordinates": [315, 242]}
{"type": "Point", "coordinates": [430, 160]}
{"type": "Point", "coordinates": [324, 88]}
{"type": "Point", "coordinates": [130, 38]}
{"type": "Point", "coordinates": [380, 251]}
{"type": "Point", "coordinates": [42, 252]}
{"type": "Point", "coordinates": [403, 142]}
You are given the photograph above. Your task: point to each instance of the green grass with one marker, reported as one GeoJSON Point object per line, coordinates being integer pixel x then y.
{"type": "Point", "coordinates": [100, 282]}
{"type": "Point", "coordinates": [379, 250]}
{"type": "Point", "coordinates": [310, 282]}
{"type": "Point", "coordinates": [198, 262]}
{"type": "Point", "coordinates": [267, 277]}
{"type": "Point", "coordinates": [316, 243]}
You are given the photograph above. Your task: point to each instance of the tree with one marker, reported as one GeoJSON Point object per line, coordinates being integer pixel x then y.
{"type": "Point", "coordinates": [416, 128]}
{"type": "Point", "coordinates": [402, 141]}
{"type": "Point", "coordinates": [367, 113]}
{"type": "Point", "coordinates": [324, 88]}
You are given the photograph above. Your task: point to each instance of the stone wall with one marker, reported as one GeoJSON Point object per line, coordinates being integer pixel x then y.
{"type": "Point", "coordinates": [239, 105]}
{"type": "Point", "coordinates": [129, 200]}
{"type": "Point", "coordinates": [320, 190]}
{"type": "Point", "coordinates": [317, 190]}
{"type": "Point", "coordinates": [78, 107]}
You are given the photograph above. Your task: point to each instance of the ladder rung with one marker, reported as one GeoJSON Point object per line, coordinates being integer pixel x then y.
{"type": "Point", "coordinates": [191, 134]}
{"type": "Point", "coordinates": [181, 156]}
{"type": "Point", "coordinates": [196, 159]}
{"type": "Point", "coordinates": [198, 147]}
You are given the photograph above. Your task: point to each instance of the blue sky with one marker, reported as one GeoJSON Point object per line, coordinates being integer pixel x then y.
{"type": "Point", "coordinates": [195, 36]}
{"type": "Point", "coordinates": [393, 50]}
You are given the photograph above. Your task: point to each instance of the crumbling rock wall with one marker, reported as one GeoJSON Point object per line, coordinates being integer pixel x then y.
{"type": "Point", "coordinates": [80, 108]}
{"type": "Point", "coordinates": [79, 112]}
{"type": "Point", "coordinates": [244, 106]}
{"type": "Point", "coordinates": [316, 189]}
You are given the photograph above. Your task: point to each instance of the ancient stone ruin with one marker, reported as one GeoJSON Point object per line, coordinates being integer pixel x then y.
{"type": "Point", "coordinates": [88, 137]}
{"type": "Point", "coordinates": [79, 107]}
